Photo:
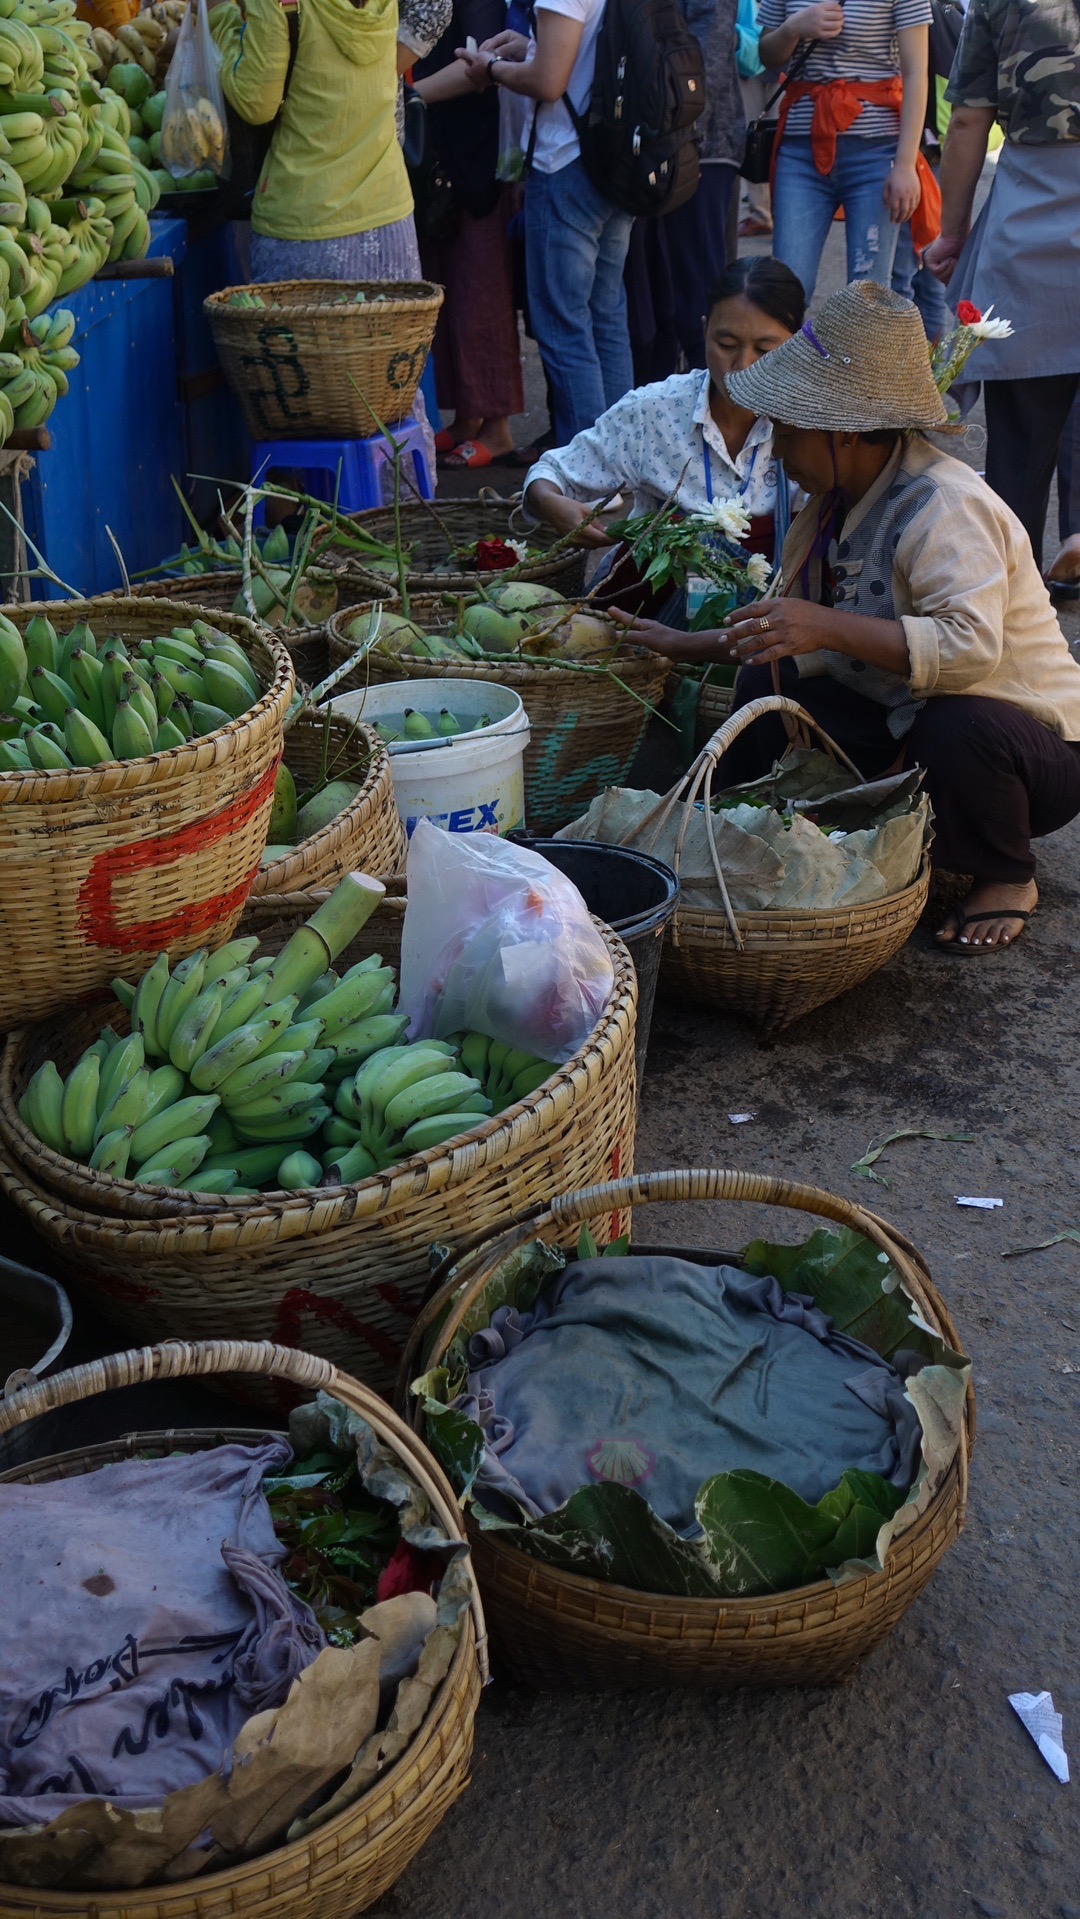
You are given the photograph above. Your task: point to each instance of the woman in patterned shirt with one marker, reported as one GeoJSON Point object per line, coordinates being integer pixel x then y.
{"type": "Point", "coordinates": [684, 438]}
{"type": "Point", "coordinates": [849, 133]}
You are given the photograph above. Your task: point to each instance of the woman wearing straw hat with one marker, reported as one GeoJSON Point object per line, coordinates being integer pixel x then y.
{"type": "Point", "coordinates": [913, 622]}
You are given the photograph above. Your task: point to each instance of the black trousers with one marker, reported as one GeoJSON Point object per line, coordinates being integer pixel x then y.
{"type": "Point", "coordinates": [1025, 422]}
{"type": "Point", "coordinates": [997, 778]}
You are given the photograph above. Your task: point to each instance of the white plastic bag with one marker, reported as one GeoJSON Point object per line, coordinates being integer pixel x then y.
{"type": "Point", "coordinates": [194, 130]}
{"type": "Point", "coordinates": [496, 940]}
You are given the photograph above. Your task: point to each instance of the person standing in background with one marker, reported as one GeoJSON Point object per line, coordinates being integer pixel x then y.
{"type": "Point", "coordinates": [696, 233]}
{"type": "Point", "coordinates": [575, 238]}
{"type": "Point", "coordinates": [1019, 63]}
{"type": "Point", "coordinates": [752, 86]}
{"type": "Point", "coordinates": [850, 128]}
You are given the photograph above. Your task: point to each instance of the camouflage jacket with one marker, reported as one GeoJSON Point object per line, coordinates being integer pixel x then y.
{"type": "Point", "coordinates": [1022, 57]}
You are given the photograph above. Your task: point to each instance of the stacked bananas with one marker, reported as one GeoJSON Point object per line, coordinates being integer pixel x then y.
{"type": "Point", "coordinates": [34, 376]}
{"type": "Point", "coordinates": [73, 701]}
{"type": "Point", "coordinates": [147, 41]}
{"type": "Point", "coordinates": [126, 189]}
{"type": "Point", "coordinates": [89, 239]}
{"type": "Point", "coordinates": [243, 1074]}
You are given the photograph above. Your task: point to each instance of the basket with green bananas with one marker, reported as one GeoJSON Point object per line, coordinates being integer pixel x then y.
{"type": "Point", "coordinates": [242, 1074]}
{"type": "Point", "coordinates": [334, 807]}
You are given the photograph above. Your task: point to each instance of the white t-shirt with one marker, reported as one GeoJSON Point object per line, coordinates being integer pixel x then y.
{"type": "Point", "coordinates": [556, 142]}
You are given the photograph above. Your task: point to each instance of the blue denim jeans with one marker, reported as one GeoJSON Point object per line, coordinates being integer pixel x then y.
{"type": "Point", "coordinates": [917, 283]}
{"type": "Point", "coordinates": [805, 201]}
{"type": "Point", "coordinates": [575, 250]}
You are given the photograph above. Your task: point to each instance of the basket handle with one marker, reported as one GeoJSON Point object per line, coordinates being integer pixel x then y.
{"type": "Point", "coordinates": [688, 790]}
{"type": "Point", "coordinates": [461, 1277]}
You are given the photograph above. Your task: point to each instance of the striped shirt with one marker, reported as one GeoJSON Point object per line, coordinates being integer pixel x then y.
{"type": "Point", "coordinates": [867, 49]}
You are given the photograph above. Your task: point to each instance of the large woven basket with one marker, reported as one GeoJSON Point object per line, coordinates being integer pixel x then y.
{"type": "Point", "coordinates": [429, 532]}
{"type": "Point", "coordinates": [774, 966]}
{"type": "Point", "coordinates": [344, 1866]}
{"type": "Point", "coordinates": [341, 1270]}
{"type": "Point", "coordinates": [309, 366]}
{"type": "Point", "coordinates": [212, 594]}
{"type": "Point", "coordinates": [105, 866]}
{"type": "Point", "coordinates": [367, 837]}
{"type": "Point", "coordinates": [586, 727]}
{"type": "Point", "coordinates": [554, 1628]}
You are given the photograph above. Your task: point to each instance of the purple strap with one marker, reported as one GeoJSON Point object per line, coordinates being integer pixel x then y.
{"type": "Point", "coordinates": [813, 339]}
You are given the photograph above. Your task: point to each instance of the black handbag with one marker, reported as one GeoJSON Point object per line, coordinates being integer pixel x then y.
{"type": "Point", "coordinates": [761, 133]}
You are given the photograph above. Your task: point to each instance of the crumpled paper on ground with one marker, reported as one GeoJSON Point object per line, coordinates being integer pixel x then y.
{"type": "Point", "coordinates": [1037, 1713]}
{"type": "Point", "coordinates": [770, 859]}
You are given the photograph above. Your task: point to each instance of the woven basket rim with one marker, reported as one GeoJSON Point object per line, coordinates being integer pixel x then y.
{"type": "Point", "coordinates": [376, 787]}
{"type": "Point", "coordinates": [58, 784]}
{"type": "Point", "coordinates": [763, 919]}
{"type": "Point", "coordinates": [410, 296]}
{"type": "Point", "coordinates": [500, 666]}
{"type": "Point", "coordinates": [380, 1195]}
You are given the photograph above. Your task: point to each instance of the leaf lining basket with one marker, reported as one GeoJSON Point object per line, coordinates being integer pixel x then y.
{"type": "Point", "coordinates": [350, 1862]}
{"type": "Point", "coordinates": [558, 1629]}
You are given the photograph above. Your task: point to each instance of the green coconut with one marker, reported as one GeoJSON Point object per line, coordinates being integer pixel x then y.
{"type": "Point", "coordinates": [323, 807]}
{"type": "Point", "coordinates": [314, 600]}
{"type": "Point", "coordinates": [396, 633]}
{"type": "Point", "coordinates": [523, 596]}
{"type": "Point", "coordinates": [496, 632]}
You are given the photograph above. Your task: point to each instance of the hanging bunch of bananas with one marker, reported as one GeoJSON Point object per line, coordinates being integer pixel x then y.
{"type": "Point", "coordinates": [90, 233]}
{"type": "Point", "coordinates": [46, 137]}
{"type": "Point", "coordinates": [22, 56]}
{"type": "Point", "coordinates": [244, 1074]}
{"type": "Point", "coordinates": [125, 188]}
{"type": "Point", "coordinates": [45, 358]}
{"type": "Point", "coordinates": [77, 701]}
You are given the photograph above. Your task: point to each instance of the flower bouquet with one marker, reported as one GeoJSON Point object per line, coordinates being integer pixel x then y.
{"type": "Point", "coordinates": [951, 351]}
{"type": "Point", "coordinates": [671, 549]}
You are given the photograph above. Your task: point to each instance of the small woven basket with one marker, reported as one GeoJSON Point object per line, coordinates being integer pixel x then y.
{"type": "Point", "coordinates": [211, 594]}
{"type": "Point", "coordinates": [105, 866]}
{"type": "Point", "coordinates": [586, 727]}
{"type": "Point", "coordinates": [311, 366]}
{"type": "Point", "coordinates": [367, 837]}
{"type": "Point", "coordinates": [554, 1628]}
{"type": "Point", "coordinates": [341, 1270]}
{"type": "Point", "coordinates": [430, 531]}
{"type": "Point", "coordinates": [774, 966]}
{"type": "Point", "coordinates": [346, 1865]}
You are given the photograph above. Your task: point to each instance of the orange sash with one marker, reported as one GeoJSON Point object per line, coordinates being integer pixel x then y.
{"type": "Point", "coordinates": [837, 106]}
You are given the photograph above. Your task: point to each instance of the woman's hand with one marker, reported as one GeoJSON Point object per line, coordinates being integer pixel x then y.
{"type": "Point", "coordinates": [566, 515]}
{"type": "Point", "coordinates": [506, 46]}
{"type": "Point", "coordinates": [697, 648]}
{"type": "Point", "coordinates": [777, 629]}
{"type": "Point", "coordinates": [476, 67]}
{"type": "Point", "coordinates": [942, 256]}
{"type": "Point", "coordinates": [902, 192]}
{"type": "Point", "coordinates": [822, 22]}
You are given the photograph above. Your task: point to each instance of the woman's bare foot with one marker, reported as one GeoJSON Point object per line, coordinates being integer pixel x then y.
{"type": "Point", "coordinates": [1066, 567]}
{"type": "Point", "coordinates": [495, 434]}
{"type": "Point", "coordinates": [990, 916]}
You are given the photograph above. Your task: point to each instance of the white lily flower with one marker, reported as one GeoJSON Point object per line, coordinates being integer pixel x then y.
{"type": "Point", "coordinates": [759, 572]}
{"type": "Point", "coordinates": [519, 547]}
{"type": "Point", "coordinates": [990, 329]}
{"type": "Point", "coordinates": [726, 516]}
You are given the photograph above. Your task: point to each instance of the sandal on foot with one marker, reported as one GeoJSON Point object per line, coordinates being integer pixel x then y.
{"type": "Point", "coordinates": [965, 950]}
{"type": "Point", "coordinates": [445, 441]}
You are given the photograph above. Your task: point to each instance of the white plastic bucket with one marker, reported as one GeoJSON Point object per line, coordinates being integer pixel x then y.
{"type": "Point", "coordinates": [473, 783]}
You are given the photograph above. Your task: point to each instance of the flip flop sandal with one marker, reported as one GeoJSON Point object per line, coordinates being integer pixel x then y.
{"type": "Point", "coordinates": [471, 453]}
{"type": "Point", "coordinates": [968, 951]}
{"type": "Point", "coordinates": [445, 441]}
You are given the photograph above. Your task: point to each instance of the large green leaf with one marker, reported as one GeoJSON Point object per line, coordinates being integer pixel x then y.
{"type": "Point", "coordinates": [610, 1532]}
{"type": "Point", "coordinates": [844, 1273]}
{"type": "Point", "coordinates": [762, 1538]}
{"type": "Point", "coordinates": [456, 1441]}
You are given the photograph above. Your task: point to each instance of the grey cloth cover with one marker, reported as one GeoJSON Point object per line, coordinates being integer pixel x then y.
{"type": "Point", "coordinates": [145, 1620]}
{"type": "Point", "coordinates": [658, 1372]}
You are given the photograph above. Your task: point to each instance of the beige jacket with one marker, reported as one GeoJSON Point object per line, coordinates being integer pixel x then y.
{"type": "Point", "coordinates": [964, 585]}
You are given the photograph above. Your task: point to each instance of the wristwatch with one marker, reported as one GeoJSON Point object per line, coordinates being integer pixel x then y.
{"type": "Point", "coordinates": [492, 64]}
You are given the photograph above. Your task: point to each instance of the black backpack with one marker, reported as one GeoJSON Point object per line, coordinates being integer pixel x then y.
{"type": "Point", "coordinates": [648, 90]}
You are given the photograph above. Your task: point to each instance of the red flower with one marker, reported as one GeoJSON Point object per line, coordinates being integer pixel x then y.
{"type": "Point", "coordinates": [409, 1571]}
{"type": "Point", "coordinates": [494, 556]}
{"type": "Point", "coordinates": [967, 314]}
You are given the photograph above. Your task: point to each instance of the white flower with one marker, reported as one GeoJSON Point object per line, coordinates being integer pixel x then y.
{"type": "Point", "coordinates": [726, 516]}
{"type": "Point", "coordinates": [519, 547]}
{"type": "Point", "coordinates": [759, 572]}
{"type": "Point", "coordinates": [990, 329]}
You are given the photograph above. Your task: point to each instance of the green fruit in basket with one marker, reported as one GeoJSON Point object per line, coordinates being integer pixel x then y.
{"type": "Point", "coordinates": [131, 737]}
{"type": "Point", "coordinates": [272, 854]}
{"type": "Point", "coordinates": [218, 646]}
{"type": "Point", "coordinates": [184, 1119]}
{"type": "Point", "coordinates": [298, 1170]}
{"type": "Point", "coordinates": [439, 1093]}
{"type": "Point", "coordinates": [44, 1101]}
{"type": "Point", "coordinates": [168, 737]}
{"type": "Point", "coordinates": [349, 1165]}
{"type": "Point", "coordinates": [12, 663]}
{"type": "Point", "coordinates": [221, 1133]}
{"type": "Point", "coordinates": [317, 943]}
{"type": "Point", "coordinates": [318, 990]}
{"type": "Point", "coordinates": [339, 1133]}
{"type": "Point", "coordinates": [51, 693]}
{"type": "Point", "coordinates": [436, 1130]}
{"type": "Point", "coordinates": [14, 757]}
{"type": "Point", "coordinates": [112, 1154]}
{"type": "Point", "coordinates": [249, 1083]}
{"type": "Point", "coordinates": [496, 632]}
{"type": "Point", "coordinates": [153, 112]}
{"type": "Point", "coordinates": [317, 813]}
{"type": "Point", "coordinates": [147, 999]}
{"type": "Point", "coordinates": [165, 1088]}
{"type": "Point", "coordinates": [292, 1126]}
{"type": "Point", "coordinates": [275, 1102]}
{"type": "Point", "coordinates": [283, 812]}
{"type": "Point", "coordinates": [295, 1039]}
{"type": "Point", "coordinates": [208, 719]}
{"type": "Point", "coordinates": [424, 1060]}
{"type": "Point", "coordinates": [222, 1179]}
{"type": "Point", "coordinates": [193, 1032]}
{"type": "Point", "coordinates": [352, 999]}
{"type": "Point", "coordinates": [175, 1165]}
{"type": "Point", "coordinates": [231, 1049]}
{"type": "Point", "coordinates": [395, 633]}
{"type": "Point", "coordinates": [39, 641]}
{"type": "Point", "coordinates": [226, 688]}
{"type": "Point", "coordinates": [252, 1164]}
{"type": "Point", "coordinates": [183, 989]}
{"type": "Point", "coordinates": [86, 743]}
{"type": "Point", "coordinates": [524, 596]}
{"type": "Point", "coordinates": [78, 1111]}
{"type": "Point", "coordinates": [122, 1064]}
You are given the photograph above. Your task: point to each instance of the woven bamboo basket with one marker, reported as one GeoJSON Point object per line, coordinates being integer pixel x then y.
{"type": "Point", "coordinates": [429, 531]}
{"type": "Point", "coordinates": [350, 1862]}
{"type": "Point", "coordinates": [212, 594]}
{"type": "Point", "coordinates": [309, 366]}
{"type": "Point", "coordinates": [586, 728]}
{"type": "Point", "coordinates": [774, 966]}
{"type": "Point", "coordinates": [714, 707]}
{"type": "Point", "coordinates": [554, 1628]}
{"type": "Point", "coordinates": [105, 866]}
{"type": "Point", "coordinates": [367, 837]}
{"type": "Point", "coordinates": [341, 1270]}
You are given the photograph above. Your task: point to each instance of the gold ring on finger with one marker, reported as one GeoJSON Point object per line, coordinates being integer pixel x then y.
{"type": "Point", "coordinates": [763, 626]}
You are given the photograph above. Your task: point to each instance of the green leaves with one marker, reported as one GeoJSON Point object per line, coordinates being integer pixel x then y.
{"type": "Point", "coordinates": [610, 1532]}
{"type": "Point", "coordinates": [863, 1168]}
{"type": "Point", "coordinates": [845, 1275]}
{"type": "Point", "coordinates": [762, 1538]}
{"type": "Point", "coordinates": [456, 1441]}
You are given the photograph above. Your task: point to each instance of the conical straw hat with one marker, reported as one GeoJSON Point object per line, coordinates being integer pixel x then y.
{"type": "Point", "coordinates": [862, 365]}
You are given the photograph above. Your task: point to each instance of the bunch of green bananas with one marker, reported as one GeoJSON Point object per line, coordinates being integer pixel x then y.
{"type": "Point", "coordinates": [126, 189]}
{"type": "Point", "coordinates": [243, 297]}
{"type": "Point", "coordinates": [34, 374]}
{"type": "Point", "coordinates": [75, 701]}
{"type": "Point", "coordinates": [46, 136]}
{"type": "Point", "coordinates": [22, 60]}
{"type": "Point", "coordinates": [243, 1074]}
{"type": "Point", "coordinates": [89, 231]}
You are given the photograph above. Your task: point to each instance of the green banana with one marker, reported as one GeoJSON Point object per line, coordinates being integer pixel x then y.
{"type": "Point", "coordinates": [226, 1056]}
{"type": "Point", "coordinates": [291, 1126]}
{"type": "Point", "coordinates": [168, 737]}
{"type": "Point", "coordinates": [315, 1065]}
{"type": "Point", "coordinates": [131, 737]}
{"type": "Point", "coordinates": [78, 1112]}
{"type": "Point", "coordinates": [298, 1170]}
{"type": "Point", "coordinates": [175, 1164]}
{"type": "Point", "coordinates": [530, 1079]}
{"type": "Point", "coordinates": [125, 993]}
{"type": "Point", "coordinates": [255, 1164]}
{"type": "Point", "coordinates": [350, 1166]}
{"type": "Point", "coordinates": [325, 983]}
{"type": "Point", "coordinates": [474, 1054]}
{"type": "Point", "coordinates": [225, 687]}
{"type": "Point", "coordinates": [296, 1039]}
{"type": "Point", "coordinates": [85, 676]}
{"type": "Point", "coordinates": [235, 953]}
{"type": "Point", "coordinates": [422, 1061]}
{"type": "Point", "coordinates": [44, 1107]}
{"type": "Point", "coordinates": [273, 1102]}
{"type": "Point", "coordinates": [51, 693]}
{"type": "Point", "coordinates": [128, 1107]}
{"type": "Point", "coordinates": [85, 743]}
{"type": "Point", "coordinates": [193, 1031]}
{"type": "Point", "coordinates": [12, 662]}
{"type": "Point", "coordinates": [221, 1132]}
{"type": "Point", "coordinates": [14, 757]}
{"type": "Point", "coordinates": [242, 1003]}
{"type": "Point", "coordinates": [260, 1076]}
{"type": "Point", "coordinates": [208, 719]}
{"type": "Point", "coordinates": [440, 1093]}
{"type": "Point", "coordinates": [182, 1120]}
{"type": "Point", "coordinates": [435, 1131]}
{"type": "Point", "coordinates": [147, 1000]}
{"type": "Point", "coordinates": [375, 1034]}
{"type": "Point", "coordinates": [112, 1153]}
{"type": "Point", "coordinates": [340, 1132]}
{"type": "Point", "coordinates": [352, 999]}
{"type": "Point", "coordinates": [124, 1060]}
{"type": "Point", "coordinates": [184, 987]}
{"type": "Point", "coordinates": [220, 1179]}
